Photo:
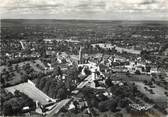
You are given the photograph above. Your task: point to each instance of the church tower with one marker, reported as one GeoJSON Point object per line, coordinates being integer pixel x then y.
{"type": "Point", "coordinates": [80, 54]}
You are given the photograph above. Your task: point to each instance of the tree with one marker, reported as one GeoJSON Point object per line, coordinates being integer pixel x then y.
{"type": "Point", "coordinates": [128, 73]}
{"type": "Point", "coordinates": [46, 86]}
{"type": "Point", "coordinates": [137, 72]}
{"type": "Point", "coordinates": [52, 90]}
{"type": "Point", "coordinates": [61, 94]}
{"type": "Point", "coordinates": [87, 71]}
{"type": "Point", "coordinates": [108, 82]}
{"type": "Point", "coordinates": [110, 104]}
{"type": "Point", "coordinates": [38, 82]}
{"type": "Point", "coordinates": [80, 69]}
{"type": "Point", "coordinates": [7, 109]}
{"type": "Point", "coordinates": [123, 103]}
{"type": "Point", "coordinates": [145, 81]}
{"type": "Point", "coordinates": [14, 105]}
{"type": "Point", "coordinates": [42, 83]}
{"type": "Point", "coordinates": [57, 71]}
{"type": "Point", "coordinates": [2, 81]}
{"type": "Point", "coordinates": [148, 68]}
{"type": "Point", "coordinates": [118, 115]}
{"type": "Point", "coordinates": [72, 73]}
{"type": "Point", "coordinates": [145, 54]}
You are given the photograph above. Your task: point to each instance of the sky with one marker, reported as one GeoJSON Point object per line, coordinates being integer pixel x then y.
{"type": "Point", "coordinates": [85, 9]}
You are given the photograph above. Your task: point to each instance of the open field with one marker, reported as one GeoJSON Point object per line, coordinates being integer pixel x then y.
{"type": "Point", "coordinates": [131, 77]}
{"type": "Point", "coordinates": [31, 91]}
{"type": "Point", "coordinates": [158, 97]}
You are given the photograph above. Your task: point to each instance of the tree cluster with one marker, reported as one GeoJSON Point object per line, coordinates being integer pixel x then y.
{"type": "Point", "coordinates": [12, 104]}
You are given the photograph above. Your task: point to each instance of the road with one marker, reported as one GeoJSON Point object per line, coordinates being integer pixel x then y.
{"type": "Point", "coordinates": [82, 84]}
{"type": "Point", "coordinates": [57, 108]}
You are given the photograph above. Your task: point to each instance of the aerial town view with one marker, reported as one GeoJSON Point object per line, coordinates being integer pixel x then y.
{"type": "Point", "coordinates": [83, 68]}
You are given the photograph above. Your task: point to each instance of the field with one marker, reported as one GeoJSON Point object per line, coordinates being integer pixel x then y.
{"type": "Point", "coordinates": [31, 91]}
{"type": "Point", "coordinates": [131, 77]}
{"type": "Point", "coordinates": [83, 29]}
{"type": "Point", "coordinates": [158, 97]}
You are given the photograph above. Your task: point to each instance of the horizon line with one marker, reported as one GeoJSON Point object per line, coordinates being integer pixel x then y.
{"type": "Point", "coordinates": [84, 19]}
